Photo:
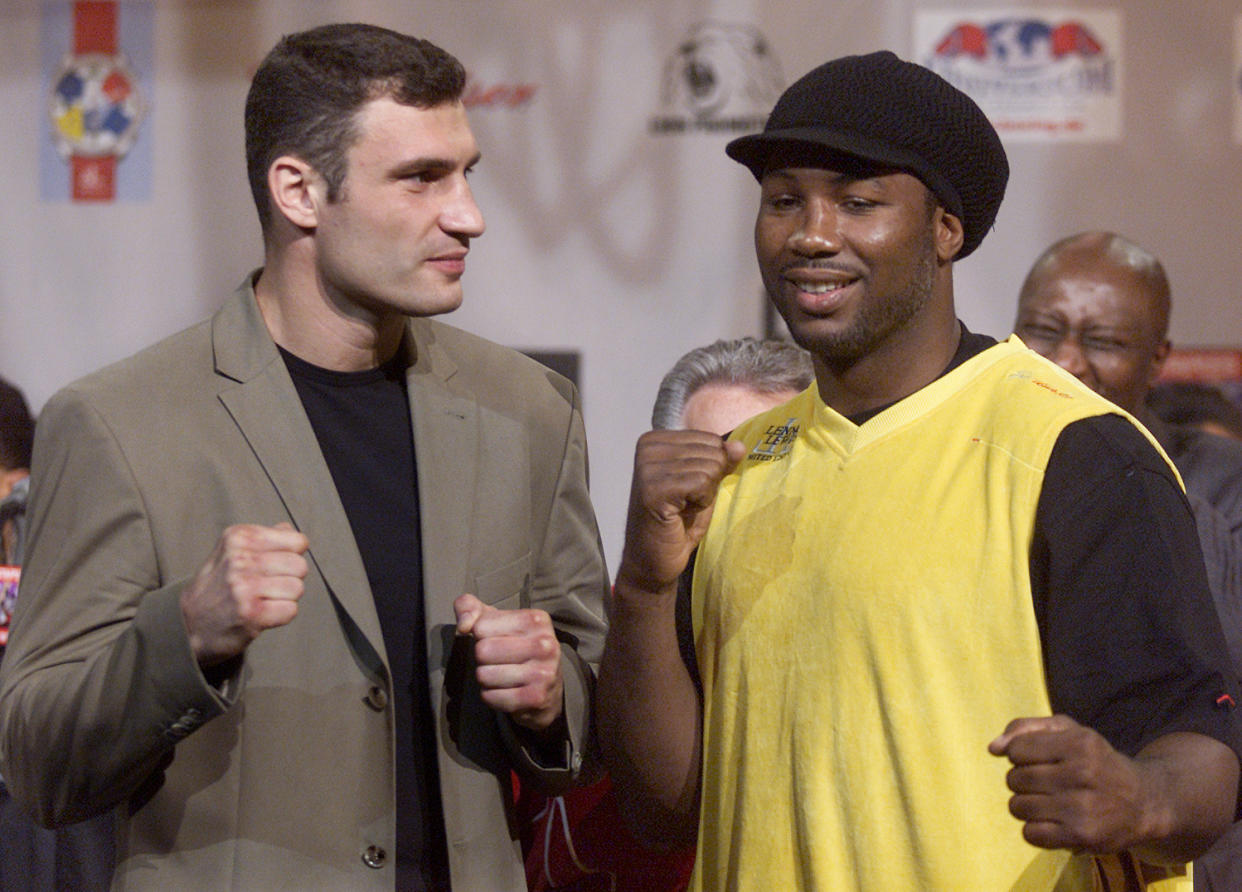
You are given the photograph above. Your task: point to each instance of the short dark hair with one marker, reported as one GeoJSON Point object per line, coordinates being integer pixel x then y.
{"type": "Point", "coordinates": [769, 366]}
{"type": "Point", "coordinates": [304, 96]}
{"type": "Point", "coordinates": [16, 428]}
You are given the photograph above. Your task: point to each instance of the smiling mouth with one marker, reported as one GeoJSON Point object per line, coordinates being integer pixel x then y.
{"type": "Point", "coordinates": [820, 287]}
{"type": "Point", "coordinates": [820, 297]}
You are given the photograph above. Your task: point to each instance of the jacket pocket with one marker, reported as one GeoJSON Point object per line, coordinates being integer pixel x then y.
{"type": "Point", "coordinates": [506, 587]}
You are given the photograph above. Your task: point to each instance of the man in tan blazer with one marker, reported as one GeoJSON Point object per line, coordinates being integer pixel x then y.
{"type": "Point", "coordinates": [309, 579]}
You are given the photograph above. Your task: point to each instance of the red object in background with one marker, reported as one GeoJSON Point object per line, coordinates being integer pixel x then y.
{"type": "Point", "coordinates": [94, 179]}
{"type": "Point", "coordinates": [10, 576]}
{"type": "Point", "coordinates": [94, 27]}
{"type": "Point", "coordinates": [94, 31]}
{"type": "Point", "coordinates": [966, 39]}
{"type": "Point", "coordinates": [1210, 365]}
{"type": "Point", "coordinates": [117, 87]}
{"type": "Point", "coordinates": [1073, 38]}
{"type": "Point", "coordinates": [579, 843]}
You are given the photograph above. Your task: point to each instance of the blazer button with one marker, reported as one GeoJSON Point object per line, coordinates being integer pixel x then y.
{"type": "Point", "coordinates": [374, 857]}
{"type": "Point", "coordinates": [376, 698]}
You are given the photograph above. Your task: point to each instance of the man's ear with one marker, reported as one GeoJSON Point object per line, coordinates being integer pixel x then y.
{"type": "Point", "coordinates": [949, 234]}
{"type": "Point", "coordinates": [296, 191]}
{"type": "Point", "coordinates": [1157, 361]}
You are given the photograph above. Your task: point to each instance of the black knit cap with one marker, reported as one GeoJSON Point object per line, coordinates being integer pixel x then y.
{"type": "Point", "coordinates": [886, 111]}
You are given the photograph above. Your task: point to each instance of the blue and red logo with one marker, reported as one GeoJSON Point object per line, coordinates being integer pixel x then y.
{"type": "Point", "coordinates": [1034, 78]}
{"type": "Point", "coordinates": [1019, 44]}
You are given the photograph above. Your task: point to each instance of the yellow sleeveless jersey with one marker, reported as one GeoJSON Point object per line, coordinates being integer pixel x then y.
{"type": "Point", "coordinates": [864, 627]}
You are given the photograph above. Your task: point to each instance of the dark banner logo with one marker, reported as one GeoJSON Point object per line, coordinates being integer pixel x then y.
{"type": "Point", "coordinates": [722, 77]}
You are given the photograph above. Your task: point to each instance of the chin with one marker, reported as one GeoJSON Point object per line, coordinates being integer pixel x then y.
{"type": "Point", "coordinates": [819, 335]}
{"type": "Point", "coordinates": [430, 304]}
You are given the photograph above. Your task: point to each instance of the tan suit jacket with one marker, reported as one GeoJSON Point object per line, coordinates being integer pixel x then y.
{"type": "Point", "coordinates": [280, 776]}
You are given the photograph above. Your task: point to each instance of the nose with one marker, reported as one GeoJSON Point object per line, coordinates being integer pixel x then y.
{"type": "Point", "coordinates": [818, 233]}
{"type": "Point", "coordinates": [461, 215]}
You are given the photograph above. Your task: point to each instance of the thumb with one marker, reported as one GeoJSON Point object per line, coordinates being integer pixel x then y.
{"type": "Point", "coordinates": [1018, 727]}
{"type": "Point", "coordinates": [468, 609]}
{"type": "Point", "coordinates": [735, 451]}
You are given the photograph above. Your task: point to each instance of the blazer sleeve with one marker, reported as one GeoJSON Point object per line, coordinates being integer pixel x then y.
{"type": "Point", "coordinates": [570, 582]}
{"type": "Point", "coordinates": [98, 681]}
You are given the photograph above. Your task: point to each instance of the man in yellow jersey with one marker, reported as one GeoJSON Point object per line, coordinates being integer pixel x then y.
{"type": "Point", "coordinates": [949, 626]}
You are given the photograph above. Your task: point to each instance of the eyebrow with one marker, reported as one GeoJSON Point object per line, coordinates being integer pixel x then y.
{"type": "Point", "coordinates": [430, 163]}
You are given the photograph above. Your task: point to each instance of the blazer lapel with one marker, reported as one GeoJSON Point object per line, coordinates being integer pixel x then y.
{"type": "Point", "coordinates": [446, 443]}
{"type": "Point", "coordinates": [269, 413]}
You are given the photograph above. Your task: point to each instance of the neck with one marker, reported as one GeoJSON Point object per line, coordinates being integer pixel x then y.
{"type": "Point", "coordinates": [304, 318]}
{"type": "Point", "coordinates": [907, 362]}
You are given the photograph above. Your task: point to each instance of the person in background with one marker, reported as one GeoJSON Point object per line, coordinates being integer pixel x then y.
{"type": "Point", "coordinates": [578, 842]}
{"type": "Point", "coordinates": [77, 857]}
{"type": "Point", "coordinates": [308, 580]}
{"type": "Point", "coordinates": [926, 589]}
{"type": "Point", "coordinates": [1097, 304]}
{"type": "Point", "coordinates": [714, 388]}
{"type": "Point", "coordinates": [1198, 405]}
{"type": "Point", "coordinates": [16, 440]}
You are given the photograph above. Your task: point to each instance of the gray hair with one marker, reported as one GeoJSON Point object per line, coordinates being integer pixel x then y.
{"type": "Point", "coordinates": [768, 366]}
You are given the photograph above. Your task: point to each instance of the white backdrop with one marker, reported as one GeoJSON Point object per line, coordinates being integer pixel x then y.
{"type": "Point", "coordinates": [604, 235]}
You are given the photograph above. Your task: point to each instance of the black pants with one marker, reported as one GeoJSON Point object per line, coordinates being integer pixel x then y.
{"type": "Point", "coordinates": [76, 858]}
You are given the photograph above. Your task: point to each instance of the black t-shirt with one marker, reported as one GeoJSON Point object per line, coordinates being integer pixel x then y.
{"type": "Point", "coordinates": [1131, 642]}
{"type": "Point", "coordinates": [362, 423]}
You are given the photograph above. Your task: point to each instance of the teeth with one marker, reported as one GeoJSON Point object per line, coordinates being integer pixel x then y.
{"type": "Point", "coordinates": [820, 287]}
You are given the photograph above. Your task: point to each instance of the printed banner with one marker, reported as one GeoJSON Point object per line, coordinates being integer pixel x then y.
{"type": "Point", "coordinates": [1040, 74]}
{"type": "Point", "coordinates": [721, 77]}
{"type": "Point", "coordinates": [97, 64]}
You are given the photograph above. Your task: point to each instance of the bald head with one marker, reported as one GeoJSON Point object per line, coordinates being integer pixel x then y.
{"type": "Point", "coordinates": [1097, 305]}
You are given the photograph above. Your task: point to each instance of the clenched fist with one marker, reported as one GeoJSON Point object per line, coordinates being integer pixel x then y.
{"type": "Point", "coordinates": [251, 583]}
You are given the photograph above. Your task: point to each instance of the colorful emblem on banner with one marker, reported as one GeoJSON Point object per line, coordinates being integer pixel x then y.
{"type": "Point", "coordinates": [722, 77]}
{"type": "Point", "coordinates": [98, 100]}
{"type": "Point", "coordinates": [1039, 74]}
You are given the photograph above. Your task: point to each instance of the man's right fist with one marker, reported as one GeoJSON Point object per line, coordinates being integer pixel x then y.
{"type": "Point", "coordinates": [251, 583]}
{"type": "Point", "coordinates": [675, 478]}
